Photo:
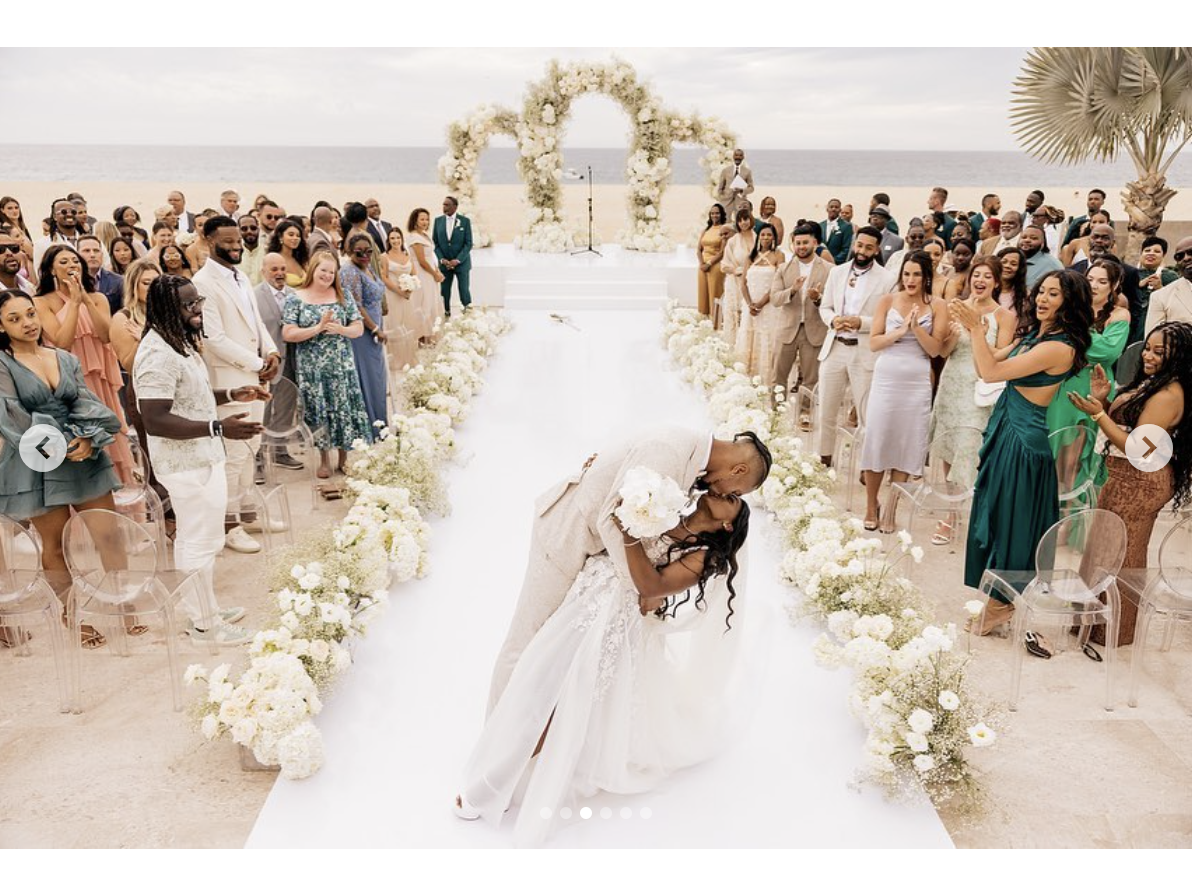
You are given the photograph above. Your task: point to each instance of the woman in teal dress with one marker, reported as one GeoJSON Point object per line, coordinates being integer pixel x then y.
{"type": "Point", "coordinates": [1016, 496]}
{"type": "Point", "coordinates": [320, 322]}
{"type": "Point", "coordinates": [1075, 451]}
{"type": "Point", "coordinates": [367, 290]}
{"type": "Point", "coordinates": [40, 385]}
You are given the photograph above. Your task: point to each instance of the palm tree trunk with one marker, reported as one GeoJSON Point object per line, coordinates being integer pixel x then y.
{"type": "Point", "coordinates": [1145, 200]}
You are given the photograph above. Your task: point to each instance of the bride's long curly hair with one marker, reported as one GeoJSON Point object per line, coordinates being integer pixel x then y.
{"type": "Point", "coordinates": [721, 558]}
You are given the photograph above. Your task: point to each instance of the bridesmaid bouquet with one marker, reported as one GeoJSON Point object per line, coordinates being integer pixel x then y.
{"type": "Point", "coordinates": [650, 503]}
{"type": "Point", "coordinates": [407, 282]}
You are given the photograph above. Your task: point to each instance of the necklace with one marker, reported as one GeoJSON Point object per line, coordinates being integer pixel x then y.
{"type": "Point", "coordinates": [854, 274]}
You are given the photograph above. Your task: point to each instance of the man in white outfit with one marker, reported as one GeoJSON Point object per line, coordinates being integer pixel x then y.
{"type": "Point", "coordinates": [850, 296]}
{"type": "Point", "coordinates": [573, 520]}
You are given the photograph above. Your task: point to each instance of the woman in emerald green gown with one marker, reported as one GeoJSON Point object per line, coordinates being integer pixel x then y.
{"type": "Point", "coordinates": [1015, 500]}
{"type": "Point", "coordinates": [1075, 451]}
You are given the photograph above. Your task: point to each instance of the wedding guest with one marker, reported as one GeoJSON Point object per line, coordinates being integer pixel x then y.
{"type": "Point", "coordinates": [38, 379]}
{"type": "Point", "coordinates": [955, 402]}
{"type": "Point", "coordinates": [1095, 202]}
{"type": "Point", "coordinates": [197, 250]}
{"type": "Point", "coordinates": [1078, 248]}
{"type": "Point", "coordinates": [937, 207]}
{"type": "Point", "coordinates": [320, 321]}
{"type": "Point", "coordinates": [174, 262]}
{"type": "Point", "coordinates": [1039, 261]}
{"type": "Point", "coordinates": [127, 216]}
{"type": "Point", "coordinates": [1173, 303]}
{"type": "Point", "coordinates": [252, 253]}
{"type": "Point", "coordinates": [962, 230]}
{"type": "Point", "coordinates": [708, 254]}
{"type": "Point", "coordinates": [269, 215]}
{"type": "Point", "coordinates": [238, 352]}
{"type": "Point", "coordinates": [879, 219]}
{"type": "Point", "coordinates": [851, 295]}
{"type": "Point", "coordinates": [186, 439]}
{"type": "Point", "coordinates": [403, 324]}
{"type": "Point", "coordinates": [990, 228]}
{"type": "Point", "coordinates": [1017, 493]}
{"type": "Point", "coordinates": [1152, 277]}
{"type": "Point", "coordinates": [453, 246]}
{"type": "Point", "coordinates": [1009, 230]}
{"type": "Point", "coordinates": [881, 198]}
{"type": "Point", "coordinates": [76, 318]}
{"type": "Point", "coordinates": [260, 202]}
{"type": "Point", "coordinates": [186, 220]}
{"type": "Point", "coordinates": [916, 238]}
{"type": "Point", "coordinates": [229, 203]}
{"type": "Point", "coordinates": [734, 264]}
{"type": "Point", "coordinates": [272, 295]}
{"type": "Point", "coordinates": [430, 303]}
{"type": "Point", "coordinates": [1158, 395]}
{"type": "Point", "coordinates": [364, 287]}
{"type": "Point", "coordinates": [934, 249]}
{"type": "Point", "coordinates": [163, 235]}
{"type": "Point", "coordinates": [795, 296]}
{"type": "Point", "coordinates": [768, 211]}
{"type": "Point", "coordinates": [1034, 201]}
{"type": "Point", "coordinates": [932, 223]}
{"type": "Point", "coordinates": [106, 282]}
{"type": "Point", "coordinates": [86, 222]}
{"type": "Point", "coordinates": [837, 232]}
{"type": "Point", "coordinates": [287, 241]}
{"type": "Point", "coordinates": [734, 185]}
{"type": "Point", "coordinates": [1014, 295]}
{"type": "Point", "coordinates": [120, 255]}
{"type": "Point", "coordinates": [10, 212]}
{"type": "Point", "coordinates": [963, 251]}
{"type": "Point", "coordinates": [755, 338]}
{"type": "Point", "coordinates": [377, 228]}
{"type": "Point", "coordinates": [322, 227]}
{"type": "Point", "coordinates": [128, 323]}
{"type": "Point", "coordinates": [846, 214]}
{"type": "Point", "coordinates": [165, 214]}
{"type": "Point", "coordinates": [1048, 220]}
{"type": "Point", "coordinates": [11, 258]}
{"type": "Point", "coordinates": [63, 230]}
{"type": "Point", "coordinates": [991, 206]}
{"type": "Point", "coordinates": [899, 411]}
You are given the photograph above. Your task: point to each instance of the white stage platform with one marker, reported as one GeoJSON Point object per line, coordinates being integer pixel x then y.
{"type": "Point", "coordinates": [616, 279]}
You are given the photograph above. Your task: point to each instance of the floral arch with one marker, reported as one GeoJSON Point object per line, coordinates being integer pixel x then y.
{"type": "Point", "coordinates": [539, 132]}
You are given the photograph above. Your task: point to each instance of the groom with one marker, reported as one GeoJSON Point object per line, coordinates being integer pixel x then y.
{"type": "Point", "coordinates": [453, 248]}
{"type": "Point", "coordinates": [573, 520]}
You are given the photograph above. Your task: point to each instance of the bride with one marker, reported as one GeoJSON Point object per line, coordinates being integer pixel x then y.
{"type": "Point", "coordinates": [622, 685]}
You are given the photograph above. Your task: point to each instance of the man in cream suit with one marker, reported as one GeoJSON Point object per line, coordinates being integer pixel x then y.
{"type": "Point", "coordinates": [850, 296]}
{"type": "Point", "coordinates": [238, 351]}
{"type": "Point", "coordinates": [795, 293]}
{"type": "Point", "coordinates": [573, 520]}
{"type": "Point", "coordinates": [1173, 303]}
{"type": "Point", "coordinates": [734, 198]}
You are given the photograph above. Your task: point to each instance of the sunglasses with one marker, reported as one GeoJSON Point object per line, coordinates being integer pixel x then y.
{"type": "Point", "coordinates": [15, 249]}
{"type": "Point", "coordinates": [1179, 255]}
{"type": "Point", "coordinates": [193, 304]}
{"type": "Point", "coordinates": [362, 252]}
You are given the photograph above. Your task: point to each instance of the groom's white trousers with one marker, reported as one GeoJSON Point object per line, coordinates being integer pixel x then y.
{"type": "Point", "coordinates": [543, 590]}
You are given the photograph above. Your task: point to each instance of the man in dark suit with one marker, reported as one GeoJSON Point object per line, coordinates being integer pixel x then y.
{"type": "Point", "coordinates": [186, 220]}
{"type": "Point", "coordinates": [377, 228]}
{"type": "Point", "coordinates": [1095, 201]}
{"type": "Point", "coordinates": [453, 248]}
{"type": "Point", "coordinates": [879, 219]}
{"type": "Point", "coordinates": [1101, 245]}
{"type": "Point", "coordinates": [837, 233]}
{"type": "Point", "coordinates": [107, 282]}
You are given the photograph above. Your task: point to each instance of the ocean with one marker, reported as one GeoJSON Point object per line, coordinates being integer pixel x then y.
{"type": "Point", "coordinates": [287, 164]}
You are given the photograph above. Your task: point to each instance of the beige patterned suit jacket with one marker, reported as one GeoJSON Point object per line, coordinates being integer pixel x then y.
{"type": "Point", "coordinates": [573, 521]}
{"type": "Point", "coordinates": [789, 296]}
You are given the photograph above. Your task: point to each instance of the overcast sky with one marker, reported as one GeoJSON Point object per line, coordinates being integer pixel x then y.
{"type": "Point", "coordinates": [943, 99]}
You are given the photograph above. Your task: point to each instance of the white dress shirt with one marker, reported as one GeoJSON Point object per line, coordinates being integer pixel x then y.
{"type": "Point", "coordinates": [853, 297]}
{"type": "Point", "coordinates": [450, 225]}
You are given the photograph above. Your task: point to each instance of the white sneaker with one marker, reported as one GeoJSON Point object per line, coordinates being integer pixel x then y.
{"type": "Point", "coordinates": [276, 526]}
{"type": "Point", "coordinates": [238, 540]}
{"type": "Point", "coordinates": [222, 634]}
{"type": "Point", "coordinates": [231, 615]}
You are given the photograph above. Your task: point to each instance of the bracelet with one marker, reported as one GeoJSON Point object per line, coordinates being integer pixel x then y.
{"type": "Point", "coordinates": [1097, 416]}
{"type": "Point", "coordinates": [215, 428]}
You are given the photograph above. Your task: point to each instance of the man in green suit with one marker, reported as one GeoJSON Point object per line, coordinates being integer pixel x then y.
{"type": "Point", "coordinates": [837, 233]}
{"type": "Point", "coordinates": [453, 248]}
{"type": "Point", "coordinates": [1095, 200]}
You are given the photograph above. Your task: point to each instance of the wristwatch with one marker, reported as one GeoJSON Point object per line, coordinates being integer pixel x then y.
{"type": "Point", "coordinates": [215, 428]}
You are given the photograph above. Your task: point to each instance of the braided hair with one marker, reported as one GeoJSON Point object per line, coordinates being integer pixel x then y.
{"type": "Point", "coordinates": [720, 558]}
{"type": "Point", "coordinates": [1176, 367]}
{"type": "Point", "coordinates": [163, 315]}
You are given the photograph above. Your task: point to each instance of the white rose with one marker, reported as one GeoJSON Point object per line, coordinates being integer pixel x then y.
{"type": "Point", "coordinates": [917, 741]}
{"type": "Point", "coordinates": [193, 673]}
{"type": "Point", "coordinates": [924, 763]}
{"type": "Point", "coordinates": [974, 607]}
{"type": "Point", "coordinates": [949, 700]}
{"type": "Point", "coordinates": [210, 726]}
{"type": "Point", "coordinates": [921, 721]}
{"type": "Point", "coordinates": [981, 735]}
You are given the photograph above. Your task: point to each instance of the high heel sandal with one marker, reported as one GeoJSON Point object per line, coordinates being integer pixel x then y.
{"type": "Point", "coordinates": [939, 539]}
{"type": "Point", "coordinates": [872, 526]}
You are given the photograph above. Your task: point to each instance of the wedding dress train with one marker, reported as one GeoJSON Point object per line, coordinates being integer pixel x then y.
{"type": "Point", "coordinates": [629, 699]}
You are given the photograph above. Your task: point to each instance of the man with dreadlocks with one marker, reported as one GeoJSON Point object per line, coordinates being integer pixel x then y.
{"type": "Point", "coordinates": [1158, 396]}
{"type": "Point", "coordinates": [186, 441]}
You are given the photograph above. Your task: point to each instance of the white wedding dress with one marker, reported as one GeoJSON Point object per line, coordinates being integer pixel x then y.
{"type": "Point", "coordinates": [633, 698]}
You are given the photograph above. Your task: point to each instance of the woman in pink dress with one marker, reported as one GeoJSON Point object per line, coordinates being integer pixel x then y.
{"type": "Point", "coordinates": [76, 318]}
{"type": "Point", "coordinates": [426, 268]}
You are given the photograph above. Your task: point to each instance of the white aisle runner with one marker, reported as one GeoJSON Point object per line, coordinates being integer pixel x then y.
{"type": "Point", "coordinates": [404, 719]}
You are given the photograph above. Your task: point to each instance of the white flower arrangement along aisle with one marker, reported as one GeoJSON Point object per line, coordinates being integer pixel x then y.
{"type": "Point", "coordinates": [908, 677]}
{"type": "Point", "coordinates": [539, 133]}
{"type": "Point", "coordinates": [336, 583]}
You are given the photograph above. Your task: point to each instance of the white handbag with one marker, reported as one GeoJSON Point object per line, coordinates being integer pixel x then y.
{"type": "Point", "coordinates": [986, 394]}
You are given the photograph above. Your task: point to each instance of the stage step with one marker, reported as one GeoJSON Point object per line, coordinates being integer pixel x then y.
{"type": "Point", "coordinates": [521, 286]}
{"type": "Point", "coordinates": [565, 303]}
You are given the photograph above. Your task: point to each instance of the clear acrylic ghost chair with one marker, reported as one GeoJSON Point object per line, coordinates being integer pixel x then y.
{"type": "Point", "coordinates": [138, 500]}
{"type": "Point", "coordinates": [1077, 485]}
{"type": "Point", "coordinates": [846, 458]}
{"type": "Point", "coordinates": [1165, 591]}
{"type": "Point", "coordinates": [945, 488]}
{"type": "Point", "coordinates": [1127, 366]}
{"type": "Point", "coordinates": [117, 574]}
{"type": "Point", "coordinates": [806, 405]}
{"type": "Point", "coordinates": [285, 427]}
{"type": "Point", "coordinates": [271, 503]}
{"type": "Point", "coordinates": [26, 595]}
{"type": "Point", "coordinates": [1074, 583]}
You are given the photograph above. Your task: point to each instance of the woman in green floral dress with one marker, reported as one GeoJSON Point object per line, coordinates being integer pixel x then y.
{"type": "Point", "coordinates": [320, 323]}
